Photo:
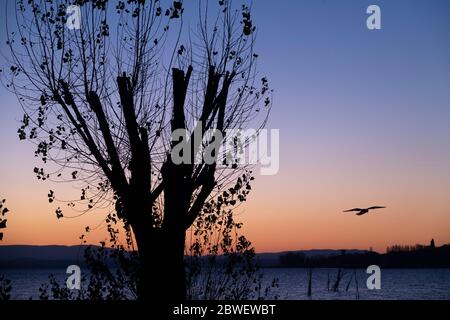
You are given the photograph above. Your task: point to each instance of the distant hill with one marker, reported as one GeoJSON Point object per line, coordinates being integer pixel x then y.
{"type": "Point", "coordinates": [273, 259]}
{"type": "Point", "coordinates": [40, 252]}
{"type": "Point", "coordinates": [30, 256]}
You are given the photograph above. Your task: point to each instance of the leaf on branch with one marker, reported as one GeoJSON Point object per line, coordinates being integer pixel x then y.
{"type": "Point", "coordinates": [177, 5]}
{"type": "Point", "coordinates": [51, 196]}
{"type": "Point", "coordinates": [59, 213]}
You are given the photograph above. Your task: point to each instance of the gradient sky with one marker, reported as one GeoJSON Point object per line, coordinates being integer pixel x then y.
{"type": "Point", "coordinates": [364, 119]}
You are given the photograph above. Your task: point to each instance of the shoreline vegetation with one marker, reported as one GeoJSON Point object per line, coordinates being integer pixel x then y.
{"type": "Point", "coordinates": [397, 257]}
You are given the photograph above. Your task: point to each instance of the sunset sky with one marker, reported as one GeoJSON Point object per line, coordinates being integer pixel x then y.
{"type": "Point", "coordinates": [364, 119]}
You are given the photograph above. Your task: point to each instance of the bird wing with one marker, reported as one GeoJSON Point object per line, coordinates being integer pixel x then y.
{"type": "Point", "coordinates": [376, 207]}
{"type": "Point", "coordinates": [351, 210]}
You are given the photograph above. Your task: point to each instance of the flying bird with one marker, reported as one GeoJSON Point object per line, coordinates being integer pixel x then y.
{"type": "Point", "coordinates": [363, 211]}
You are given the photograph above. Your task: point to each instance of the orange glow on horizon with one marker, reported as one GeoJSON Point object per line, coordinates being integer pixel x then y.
{"type": "Point", "coordinates": [302, 220]}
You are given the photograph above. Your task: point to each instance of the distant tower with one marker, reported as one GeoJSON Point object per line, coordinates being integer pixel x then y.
{"type": "Point", "coordinates": [432, 246]}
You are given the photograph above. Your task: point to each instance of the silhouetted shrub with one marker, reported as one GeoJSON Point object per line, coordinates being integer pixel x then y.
{"type": "Point", "coordinates": [5, 284]}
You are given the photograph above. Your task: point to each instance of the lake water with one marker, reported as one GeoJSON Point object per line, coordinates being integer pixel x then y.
{"type": "Point", "coordinates": [396, 284]}
{"type": "Point", "coordinates": [400, 284]}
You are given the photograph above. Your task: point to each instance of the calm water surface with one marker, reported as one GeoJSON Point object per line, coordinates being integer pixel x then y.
{"type": "Point", "coordinates": [395, 283]}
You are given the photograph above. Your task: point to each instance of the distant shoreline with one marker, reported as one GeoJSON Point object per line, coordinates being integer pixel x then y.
{"type": "Point", "coordinates": [421, 257]}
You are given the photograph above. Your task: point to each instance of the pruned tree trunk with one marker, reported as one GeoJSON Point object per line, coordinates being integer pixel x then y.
{"type": "Point", "coordinates": [161, 264]}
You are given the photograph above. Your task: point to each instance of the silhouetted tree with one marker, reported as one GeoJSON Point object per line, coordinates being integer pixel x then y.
{"type": "Point", "coordinates": [100, 102]}
{"type": "Point", "coordinates": [3, 211]}
{"type": "Point", "coordinates": [432, 245]}
{"type": "Point", "coordinates": [5, 284]}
